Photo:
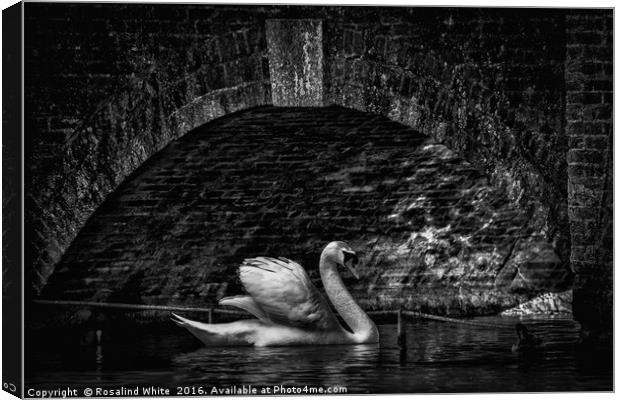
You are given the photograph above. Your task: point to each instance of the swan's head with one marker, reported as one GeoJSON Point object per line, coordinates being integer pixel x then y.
{"type": "Point", "coordinates": [342, 254]}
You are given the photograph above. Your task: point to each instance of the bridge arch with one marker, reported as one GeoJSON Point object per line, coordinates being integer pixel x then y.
{"type": "Point", "coordinates": [434, 233]}
{"type": "Point", "coordinates": [513, 93]}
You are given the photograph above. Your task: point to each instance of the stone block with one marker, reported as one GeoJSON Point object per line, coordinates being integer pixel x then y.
{"type": "Point", "coordinates": [295, 62]}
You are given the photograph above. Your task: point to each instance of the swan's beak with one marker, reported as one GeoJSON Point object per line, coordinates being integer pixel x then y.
{"type": "Point", "coordinates": [350, 261]}
{"type": "Point", "coordinates": [353, 270]}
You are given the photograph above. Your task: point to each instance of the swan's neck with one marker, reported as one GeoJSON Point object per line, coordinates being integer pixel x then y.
{"type": "Point", "coordinates": [353, 315]}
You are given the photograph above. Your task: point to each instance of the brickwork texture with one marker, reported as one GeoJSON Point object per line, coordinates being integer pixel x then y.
{"type": "Point", "coordinates": [522, 97]}
{"type": "Point", "coordinates": [589, 106]}
{"type": "Point", "coordinates": [433, 233]}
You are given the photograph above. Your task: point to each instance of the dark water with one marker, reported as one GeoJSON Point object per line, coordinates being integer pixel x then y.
{"type": "Point", "coordinates": [441, 357]}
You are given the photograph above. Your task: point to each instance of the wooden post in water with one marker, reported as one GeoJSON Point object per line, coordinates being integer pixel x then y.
{"type": "Point", "coordinates": [401, 331]}
{"type": "Point", "coordinates": [210, 315]}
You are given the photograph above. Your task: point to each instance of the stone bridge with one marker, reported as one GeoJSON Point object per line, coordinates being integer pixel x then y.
{"type": "Point", "coordinates": [453, 146]}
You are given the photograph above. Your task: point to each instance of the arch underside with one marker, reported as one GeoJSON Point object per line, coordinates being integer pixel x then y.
{"type": "Point", "coordinates": [433, 233]}
{"type": "Point", "coordinates": [503, 90]}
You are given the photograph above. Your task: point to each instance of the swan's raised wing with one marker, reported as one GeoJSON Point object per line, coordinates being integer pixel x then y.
{"type": "Point", "coordinates": [284, 292]}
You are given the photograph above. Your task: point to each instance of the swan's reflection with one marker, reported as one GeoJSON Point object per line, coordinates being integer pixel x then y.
{"type": "Point", "coordinates": [341, 365]}
{"type": "Point", "coordinates": [440, 357]}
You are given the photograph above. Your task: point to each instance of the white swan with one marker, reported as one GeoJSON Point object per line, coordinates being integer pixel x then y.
{"type": "Point", "coordinates": [288, 307]}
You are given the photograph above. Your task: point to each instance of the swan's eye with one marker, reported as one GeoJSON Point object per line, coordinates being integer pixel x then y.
{"type": "Point", "coordinates": [350, 256]}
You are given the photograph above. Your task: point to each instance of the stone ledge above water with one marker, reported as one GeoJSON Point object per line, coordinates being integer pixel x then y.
{"type": "Point", "coordinates": [545, 304]}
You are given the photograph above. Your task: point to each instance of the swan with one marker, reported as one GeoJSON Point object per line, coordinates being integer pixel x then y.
{"type": "Point", "coordinates": [289, 309]}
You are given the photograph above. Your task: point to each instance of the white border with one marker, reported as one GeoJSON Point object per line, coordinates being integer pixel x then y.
{"type": "Point", "coordinates": [458, 3]}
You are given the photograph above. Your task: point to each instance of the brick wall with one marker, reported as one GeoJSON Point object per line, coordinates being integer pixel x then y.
{"type": "Point", "coordinates": [115, 83]}
{"type": "Point", "coordinates": [432, 233]}
{"type": "Point", "coordinates": [487, 83]}
{"type": "Point", "coordinates": [589, 107]}
{"type": "Point", "coordinates": [111, 85]}
{"type": "Point", "coordinates": [502, 88]}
